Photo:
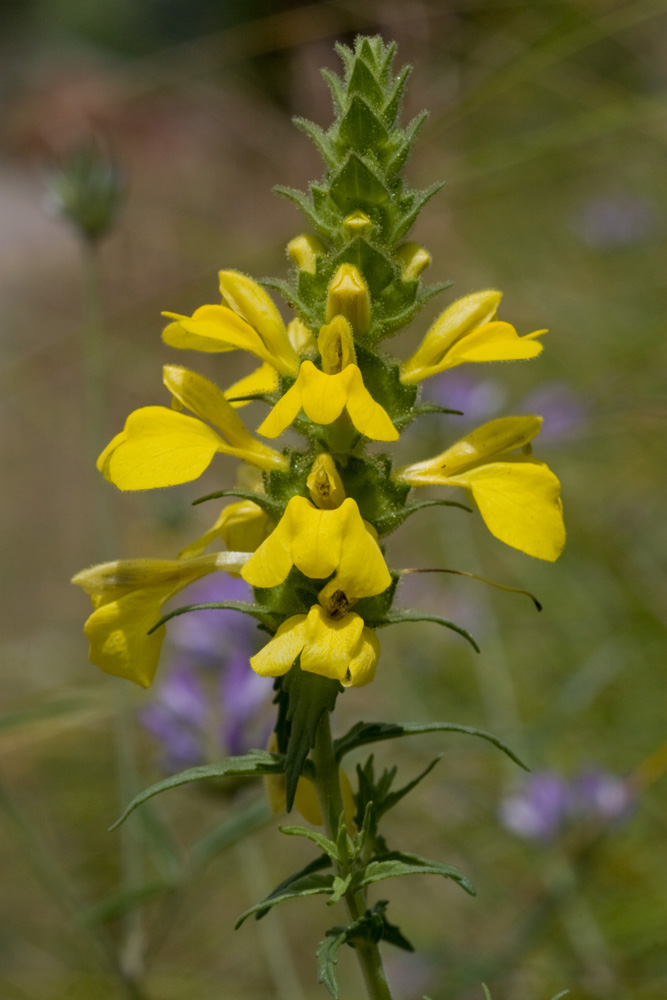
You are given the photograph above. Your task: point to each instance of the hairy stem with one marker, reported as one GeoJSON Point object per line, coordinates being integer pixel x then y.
{"type": "Point", "coordinates": [327, 783]}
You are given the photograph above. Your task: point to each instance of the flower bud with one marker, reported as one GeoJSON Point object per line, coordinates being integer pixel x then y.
{"type": "Point", "coordinates": [413, 259]}
{"type": "Point", "coordinates": [348, 296]}
{"type": "Point", "coordinates": [86, 190]}
{"type": "Point", "coordinates": [325, 485]}
{"type": "Point", "coordinates": [304, 251]}
{"type": "Point", "coordinates": [336, 346]}
{"type": "Point", "coordinates": [357, 224]}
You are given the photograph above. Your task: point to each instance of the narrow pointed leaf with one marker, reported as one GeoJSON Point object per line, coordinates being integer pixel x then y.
{"type": "Point", "coordinates": [250, 765]}
{"type": "Point", "coordinates": [396, 864]}
{"type": "Point", "coordinates": [374, 732]}
{"type": "Point", "coordinates": [264, 615]}
{"type": "Point", "coordinates": [327, 959]}
{"type": "Point", "coordinates": [397, 617]}
{"type": "Point", "coordinates": [309, 885]}
{"type": "Point", "coordinates": [272, 508]}
{"type": "Point", "coordinates": [310, 695]}
{"type": "Point", "coordinates": [322, 842]}
{"type": "Point", "coordinates": [324, 861]}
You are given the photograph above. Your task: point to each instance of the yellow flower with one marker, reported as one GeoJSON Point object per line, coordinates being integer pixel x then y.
{"type": "Point", "coordinates": [161, 447]}
{"type": "Point", "coordinates": [348, 296]}
{"type": "Point", "coordinates": [319, 543]}
{"type": "Point", "coordinates": [128, 596]}
{"type": "Point", "coordinates": [518, 497]}
{"type": "Point", "coordinates": [242, 527]}
{"type": "Point", "coordinates": [468, 331]}
{"type": "Point", "coordinates": [247, 319]}
{"type": "Point", "coordinates": [342, 649]}
{"type": "Point", "coordinates": [323, 395]}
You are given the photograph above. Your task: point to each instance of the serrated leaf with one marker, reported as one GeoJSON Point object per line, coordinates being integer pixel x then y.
{"type": "Point", "coordinates": [320, 138]}
{"type": "Point", "coordinates": [420, 198]}
{"type": "Point", "coordinates": [310, 695]}
{"type": "Point", "coordinates": [250, 765]}
{"type": "Point", "coordinates": [307, 207]}
{"type": "Point", "coordinates": [398, 617]}
{"type": "Point", "coordinates": [322, 842]}
{"type": "Point", "coordinates": [361, 129]}
{"type": "Point", "coordinates": [335, 85]}
{"type": "Point", "coordinates": [327, 959]}
{"type": "Point", "coordinates": [375, 266]}
{"type": "Point", "coordinates": [397, 863]}
{"type": "Point", "coordinates": [393, 103]}
{"type": "Point", "coordinates": [375, 732]}
{"type": "Point", "coordinates": [356, 185]}
{"type": "Point", "coordinates": [308, 885]}
{"type": "Point", "coordinates": [393, 798]}
{"type": "Point", "coordinates": [399, 156]}
{"type": "Point", "coordinates": [324, 861]}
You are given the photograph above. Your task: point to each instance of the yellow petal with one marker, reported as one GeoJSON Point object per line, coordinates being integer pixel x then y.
{"type": "Point", "coordinates": [520, 502]}
{"type": "Point", "coordinates": [159, 447]}
{"type": "Point", "coordinates": [336, 345]}
{"type": "Point", "coordinates": [482, 445]}
{"type": "Point", "coordinates": [492, 342]}
{"type": "Point", "coordinates": [272, 561]}
{"type": "Point", "coordinates": [252, 303]}
{"type": "Point", "coordinates": [306, 802]}
{"type": "Point", "coordinates": [459, 319]}
{"type": "Point", "coordinates": [330, 645]}
{"type": "Point", "coordinates": [323, 396]}
{"type": "Point", "coordinates": [263, 379]}
{"type": "Point", "coordinates": [300, 337]}
{"type": "Point", "coordinates": [367, 416]}
{"type": "Point", "coordinates": [362, 666]}
{"type": "Point", "coordinates": [213, 329]}
{"type": "Point", "coordinates": [283, 413]}
{"type": "Point", "coordinates": [242, 527]}
{"type": "Point", "coordinates": [304, 251]}
{"type": "Point", "coordinates": [279, 654]}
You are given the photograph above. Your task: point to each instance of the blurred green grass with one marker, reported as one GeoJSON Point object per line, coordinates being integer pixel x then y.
{"type": "Point", "coordinates": [548, 123]}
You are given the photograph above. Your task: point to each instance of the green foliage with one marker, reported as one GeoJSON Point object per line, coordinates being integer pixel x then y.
{"type": "Point", "coordinates": [307, 885]}
{"type": "Point", "coordinates": [309, 697]}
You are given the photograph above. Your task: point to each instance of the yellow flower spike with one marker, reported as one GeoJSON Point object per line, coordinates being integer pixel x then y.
{"type": "Point", "coordinates": [342, 649]}
{"type": "Point", "coordinates": [263, 380]}
{"type": "Point", "coordinates": [252, 303]}
{"type": "Point", "coordinates": [413, 259]}
{"type": "Point", "coordinates": [468, 332]}
{"type": "Point", "coordinates": [304, 251]}
{"type": "Point", "coordinates": [320, 542]}
{"type": "Point", "coordinates": [336, 346]}
{"type": "Point", "coordinates": [324, 484]}
{"type": "Point", "coordinates": [518, 497]}
{"type": "Point", "coordinates": [348, 296]}
{"type": "Point", "coordinates": [301, 338]}
{"type": "Point", "coordinates": [128, 596]}
{"type": "Point", "coordinates": [324, 397]}
{"type": "Point", "coordinates": [357, 224]}
{"type": "Point", "coordinates": [242, 527]}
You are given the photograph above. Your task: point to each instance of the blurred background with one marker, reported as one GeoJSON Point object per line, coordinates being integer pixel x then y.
{"type": "Point", "coordinates": [549, 124]}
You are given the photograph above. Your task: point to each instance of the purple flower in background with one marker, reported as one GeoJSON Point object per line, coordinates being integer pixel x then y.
{"type": "Point", "coordinates": [611, 221]}
{"type": "Point", "coordinates": [536, 812]}
{"type": "Point", "coordinates": [210, 702]}
{"type": "Point", "coordinates": [479, 399]}
{"type": "Point", "coordinates": [565, 413]}
{"type": "Point", "coordinates": [548, 803]}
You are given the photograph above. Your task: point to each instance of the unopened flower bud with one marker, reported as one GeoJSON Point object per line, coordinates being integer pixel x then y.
{"type": "Point", "coordinates": [300, 337]}
{"type": "Point", "coordinates": [324, 484]}
{"type": "Point", "coordinates": [86, 190]}
{"type": "Point", "coordinates": [357, 224]}
{"type": "Point", "coordinates": [348, 296]}
{"type": "Point", "coordinates": [304, 251]}
{"type": "Point", "coordinates": [413, 259]}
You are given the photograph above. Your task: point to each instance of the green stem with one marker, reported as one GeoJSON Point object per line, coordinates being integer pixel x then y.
{"type": "Point", "coordinates": [327, 783]}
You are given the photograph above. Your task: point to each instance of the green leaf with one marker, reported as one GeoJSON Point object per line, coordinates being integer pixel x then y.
{"type": "Point", "coordinates": [310, 695]}
{"type": "Point", "coordinates": [320, 139]}
{"type": "Point", "coordinates": [397, 617]}
{"type": "Point", "coordinates": [340, 887]}
{"type": "Point", "coordinates": [314, 866]}
{"type": "Point", "coordinates": [264, 615]}
{"type": "Point", "coordinates": [308, 885]}
{"type": "Point", "coordinates": [335, 85]}
{"type": "Point", "coordinates": [419, 200]}
{"type": "Point", "coordinates": [375, 266]}
{"type": "Point", "coordinates": [393, 105]}
{"type": "Point", "coordinates": [393, 798]}
{"type": "Point", "coordinates": [322, 842]}
{"type": "Point", "coordinates": [356, 185]}
{"type": "Point", "coordinates": [487, 993]}
{"type": "Point", "coordinates": [374, 732]}
{"type": "Point", "coordinates": [394, 864]}
{"type": "Point", "coordinates": [273, 509]}
{"type": "Point", "coordinates": [361, 129]}
{"type": "Point", "coordinates": [363, 82]}
{"type": "Point", "coordinates": [250, 765]}
{"type": "Point", "coordinates": [390, 522]}
{"type": "Point", "coordinates": [327, 959]}
{"type": "Point", "coordinates": [125, 901]}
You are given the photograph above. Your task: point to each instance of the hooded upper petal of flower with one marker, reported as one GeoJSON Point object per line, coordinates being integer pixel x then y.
{"type": "Point", "coordinates": [342, 649]}
{"type": "Point", "coordinates": [161, 447]}
{"type": "Point", "coordinates": [127, 596]}
{"type": "Point", "coordinates": [518, 497]}
{"type": "Point", "coordinates": [242, 527]}
{"type": "Point", "coordinates": [247, 319]}
{"type": "Point", "coordinates": [319, 543]}
{"type": "Point", "coordinates": [468, 331]}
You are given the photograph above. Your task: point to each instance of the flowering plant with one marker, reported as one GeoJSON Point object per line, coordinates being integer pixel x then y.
{"type": "Point", "coordinates": [310, 536]}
